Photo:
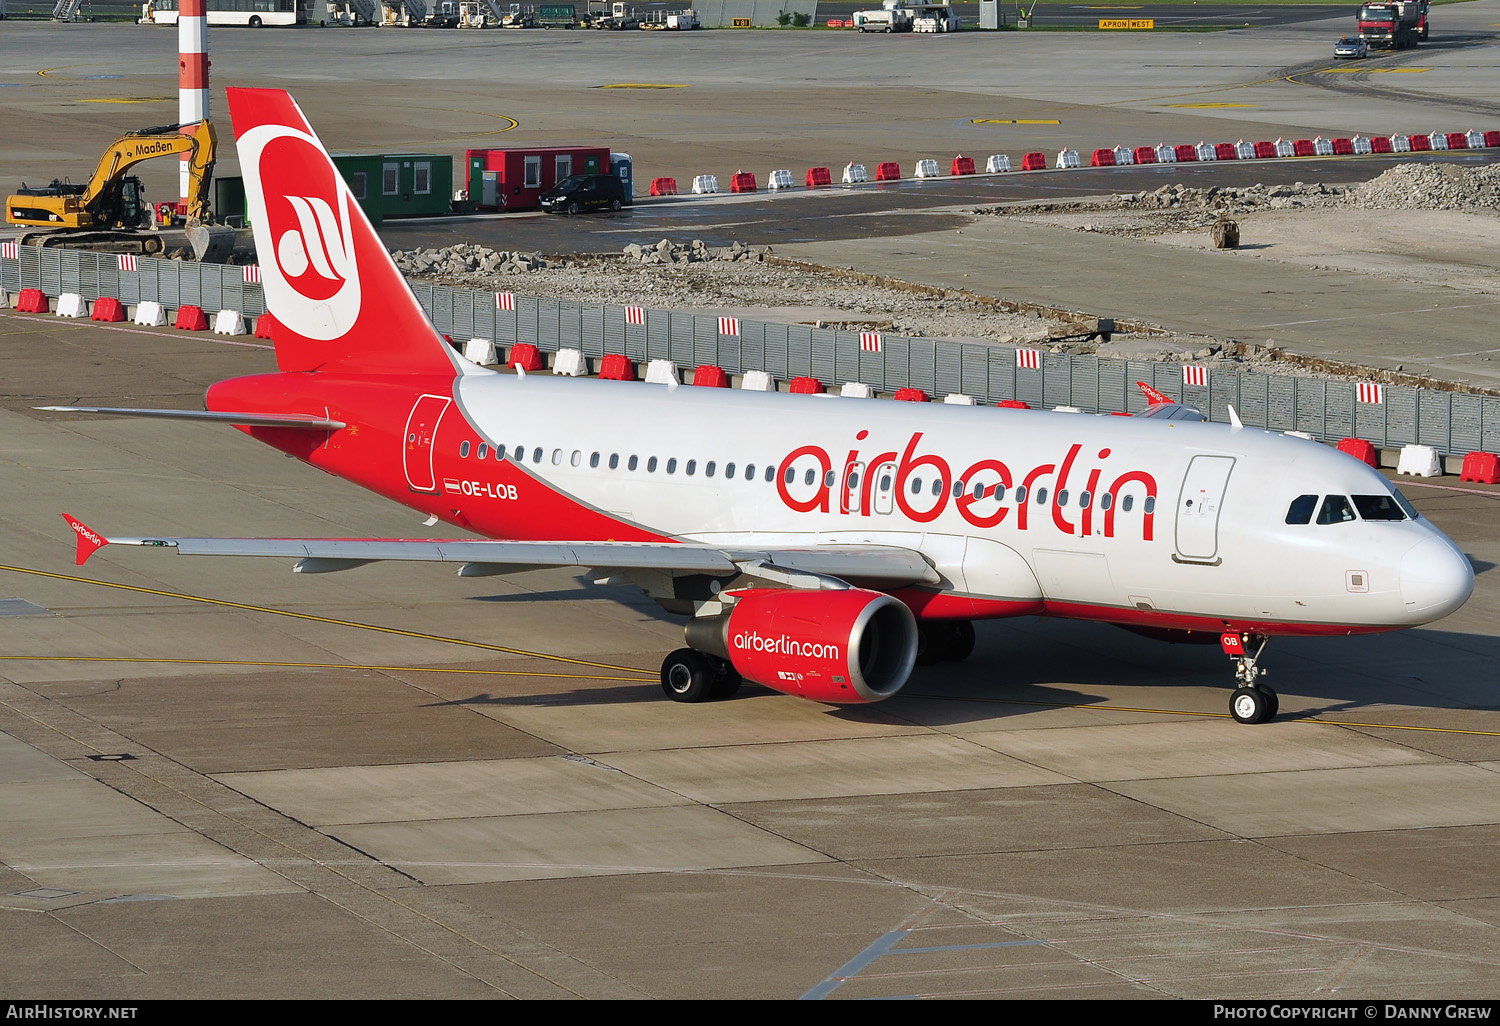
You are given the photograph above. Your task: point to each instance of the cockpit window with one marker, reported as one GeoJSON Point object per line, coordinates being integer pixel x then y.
{"type": "Point", "coordinates": [1378, 507]}
{"type": "Point", "coordinates": [1301, 509]}
{"type": "Point", "coordinates": [1336, 510]}
{"type": "Point", "coordinates": [1404, 503]}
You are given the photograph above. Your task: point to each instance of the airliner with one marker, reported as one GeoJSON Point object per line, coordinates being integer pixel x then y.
{"type": "Point", "coordinates": [820, 546]}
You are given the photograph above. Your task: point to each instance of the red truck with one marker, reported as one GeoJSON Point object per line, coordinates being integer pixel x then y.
{"type": "Point", "coordinates": [1393, 24]}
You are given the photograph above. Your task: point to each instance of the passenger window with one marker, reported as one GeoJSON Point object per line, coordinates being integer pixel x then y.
{"type": "Point", "coordinates": [692, 467]}
{"type": "Point", "coordinates": [1083, 499]}
{"type": "Point", "coordinates": [463, 450]}
{"type": "Point", "coordinates": [672, 466]}
{"type": "Point", "coordinates": [651, 465]}
{"type": "Point", "coordinates": [885, 483]}
{"type": "Point", "coordinates": [916, 485]}
{"type": "Point", "coordinates": [854, 481]}
{"type": "Point", "coordinates": [937, 486]}
{"type": "Point", "coordinates": [1150, 506]}
{"type": "Point", "coordinates": [1301, 509]}
{"type": "Point", "coordinates": [594, 460]}
{"type": "Point", "coordinates": [499, 452]}
{"type": "Point", "coordinates": [614, 461]}
{"type": "Point", "coordinates": [634, 462]}
{"type": "Point", "coordinates": [1020, 495]}
{"type": "Point", "coordinates": [771, 475]}
{"type": "Point", "coordinates": [1127, 502]}
{"type": "Point", "coordinates": [1378, 507]}
{"type": "Point", "coordinates": [484, 451]}
{"type": "Point", "coordinates": [791, 475]}
{"type": "Point", "coordinates": [1062, 496]}
{"type": "Point", "coordinates": [1105, 501]}
{"type": "Point", "coordinates": [749, 471]}
{"type": "Point", "coordinates": [1336, 510]}
{"type": "Point", "coordinates": [729, 470]}
{"type": "Point", "coordinates": [556, 457]}
{"type": "Point", "coordinates": [708, 468]}
{"type": "Point", "coordinates": [1041, 496]}
{"type": "Point", "coordinates": [958, 488]}
{"type": "Point", "coordinates": [811, 476]}
{"type": "Point", "coordinates": [999, 492]}
{"type": "Point", "coordinates": [829, 478]}
{"type": "Point", "coordinates": [536, 455]}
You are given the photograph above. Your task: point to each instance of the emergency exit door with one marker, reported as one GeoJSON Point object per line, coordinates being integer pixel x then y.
{"type": "Point", "coordinates": [1198, 508]}
{"type": "Point", "coordinates": [421, 429]}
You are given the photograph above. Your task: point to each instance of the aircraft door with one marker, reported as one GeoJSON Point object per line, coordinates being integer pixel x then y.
{"type": "Point", "coordinates": [1198, 508]}
{"type": "Point", "coordinates": [854, 477]}
{"type": "Point", "coordinates": [421, 429]}
{"type": "Point", "coordinates": [883, 494]}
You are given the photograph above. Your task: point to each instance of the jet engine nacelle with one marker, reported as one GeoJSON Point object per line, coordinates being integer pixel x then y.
{"type": "Point", "coordinates": [847, 646]}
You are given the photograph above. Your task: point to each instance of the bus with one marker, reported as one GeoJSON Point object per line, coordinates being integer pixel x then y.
{"type": "Point", "coordinates": [254, 13]}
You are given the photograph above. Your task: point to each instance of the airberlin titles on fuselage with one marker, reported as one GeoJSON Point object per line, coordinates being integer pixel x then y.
{"type": "Point", "coordinates": [984, 482]}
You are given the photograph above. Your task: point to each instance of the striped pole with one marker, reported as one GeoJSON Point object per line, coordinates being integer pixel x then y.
{"type": "Point", "coordinates": [192, 74]}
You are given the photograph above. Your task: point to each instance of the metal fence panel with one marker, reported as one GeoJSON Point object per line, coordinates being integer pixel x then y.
{"type": "Point", "coordinates": [526, 321]}
{"type": "Point", "coordinates": [821, 343]}
{"type": "Point", "coordinates": [1310, 406]}
{"type": "Point", "coordinates": [705, 343]}
{"type": "Point", "coordinates": [921, 364]}
{"type": "Point", "coordinates": [1400, 416]}
{"type": "Point", "coordinates": [948, 370]}
{"type": "Point", "coordinates": [775, 353]}
{"type": "Point", "coordinates": [1467, 423]}
{"type": "Point", "coordinates": [614, 331]}
{"type": "Point", "coordinates": [1338, 411]}
{"type": "Point", "coordinates": [751, 352]}
{"type": "Point", "coordinates": [682, 330]}
{"type": "Point", "coordinates": [1083, 389]}
{"type": "Point", "coordinates": [798, 350]}
{"type": "Point", "coordinates": [897, 351]}
{"type": "Point", "coordinates": [1057, 384]}
{"type": "Point", "coordinates": [1489, 429]}
{"type": "Point", "coordinates": [1253, 406]}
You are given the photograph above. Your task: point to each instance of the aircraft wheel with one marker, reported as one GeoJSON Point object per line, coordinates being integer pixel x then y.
{"type": "Point", "coordinates": [1273, 703]}
{"type": "Point", "coordinates": [941, 641]}
{"type": "Point", "coordinates": [687, 676]}
{"type": "Point", "coordinates": [1249, 705]}
{"type": "Point", "coordinates": [961, 641]}
{"type": "Point", "coordinates": [727, 680]}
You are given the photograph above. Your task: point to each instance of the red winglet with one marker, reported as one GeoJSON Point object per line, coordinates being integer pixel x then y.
{"type": "Point", "coordinates": [1153, 397]}
{"type": "Point", "coordinates": [89, 540]}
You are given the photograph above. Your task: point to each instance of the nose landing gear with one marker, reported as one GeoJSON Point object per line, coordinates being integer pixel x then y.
{"type": "Point", "coordinates": [1252, 701]}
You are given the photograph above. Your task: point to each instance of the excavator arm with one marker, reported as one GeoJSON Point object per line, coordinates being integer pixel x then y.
{"type": "Point", "coordinates": [166, 140]}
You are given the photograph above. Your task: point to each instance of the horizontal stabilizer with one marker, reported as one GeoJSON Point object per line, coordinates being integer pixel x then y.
{"type": "Point", "coordinates": [305, 421]}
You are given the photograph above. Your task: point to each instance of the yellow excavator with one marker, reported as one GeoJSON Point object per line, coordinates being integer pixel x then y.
{"type": "Point", "coordinates": [110, 212]}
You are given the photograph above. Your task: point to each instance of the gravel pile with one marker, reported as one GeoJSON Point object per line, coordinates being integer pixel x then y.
{"type": "Point", "coordinates": [1431, 187]}
{"type": "Point", "coordinates": [740, 278]}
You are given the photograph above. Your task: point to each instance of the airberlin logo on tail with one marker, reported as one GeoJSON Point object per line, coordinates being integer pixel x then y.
{"type": "Point", "coordinates": [299, 203]}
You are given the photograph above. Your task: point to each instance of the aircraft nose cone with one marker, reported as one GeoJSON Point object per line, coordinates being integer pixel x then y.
{"type": "Point", "coordinates": [1436, 578]}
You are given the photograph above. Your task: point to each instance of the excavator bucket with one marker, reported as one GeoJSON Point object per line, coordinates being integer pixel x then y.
{"type": "Point", "coordinates": [211, 244]}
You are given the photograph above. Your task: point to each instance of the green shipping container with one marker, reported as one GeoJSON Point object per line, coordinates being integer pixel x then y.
{"type": "Point", "coordinates": [399, 184]}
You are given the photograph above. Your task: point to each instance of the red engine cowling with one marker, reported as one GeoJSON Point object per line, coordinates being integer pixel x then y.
{"type": "Point", "coordinates": [846, 646]}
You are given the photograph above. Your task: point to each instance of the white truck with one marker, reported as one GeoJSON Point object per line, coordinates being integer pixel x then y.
{"type": "Point", "coordinates": [893, 16]}
{"type": "Point", "coordinates": [683, 20]}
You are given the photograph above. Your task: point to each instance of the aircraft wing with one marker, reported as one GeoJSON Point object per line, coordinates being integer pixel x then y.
{"type": "Point", "coordinates": [891, 565]}
{"type": "Point", "coordinates": [303, 421]}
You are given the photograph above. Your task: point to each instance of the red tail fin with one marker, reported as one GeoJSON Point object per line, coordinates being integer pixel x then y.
{"type": "Point", "coordinates": [339, 301]}
{"type": "Point", "coordinates": [1153, 397]}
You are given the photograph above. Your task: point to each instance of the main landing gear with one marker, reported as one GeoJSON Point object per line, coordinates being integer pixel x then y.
{"type": "Point", "coordinates": [944, 641]}
{"type": "Point", "coordinates": [688, 675]}
{"type": "Point", "coordinates": [1252, 701]}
